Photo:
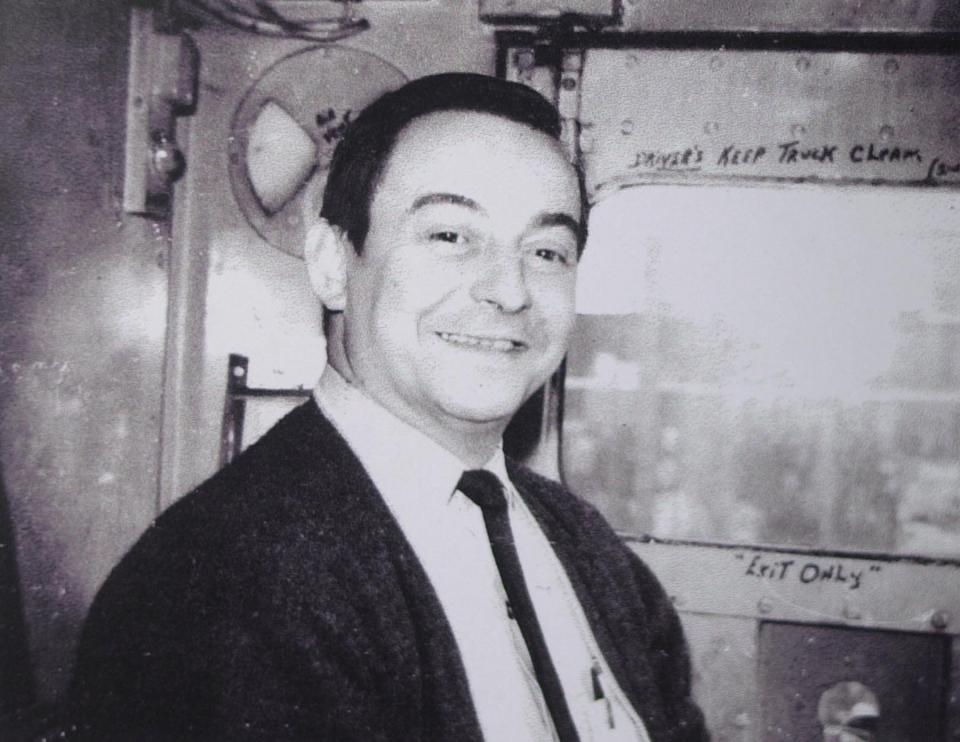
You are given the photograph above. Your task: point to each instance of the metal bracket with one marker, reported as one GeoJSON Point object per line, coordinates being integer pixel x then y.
{"type": "Point", "coordinates": [162, 85]}
{"type": "Point", "coordinates": [568, 103]}
{"type": "Point", "coordinates": [235, 407]}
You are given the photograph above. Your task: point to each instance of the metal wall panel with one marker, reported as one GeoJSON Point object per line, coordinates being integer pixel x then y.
{"type": "Point", "coordinates": [721, 649]}
{"type": "Point", "coordinates": [650, 115]}
{"type": "Point", "coordinates": [232, 292]}
{"type": "Point", "coordinates": [531, 10]}
{"type": "Point", "coordinates": [83, 296]}
{"type": "Point", "coordinates": [788, 625]}
{"type": "Point", "coordinates": [887, 593]}
{"type": "Point", "coordinates": [901, 675]}
{"type": "Point", "coordinates": [800, 15]}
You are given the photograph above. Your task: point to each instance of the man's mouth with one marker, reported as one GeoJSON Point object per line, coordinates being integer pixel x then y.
{"type": "Point", "coordinates": [500, 344]}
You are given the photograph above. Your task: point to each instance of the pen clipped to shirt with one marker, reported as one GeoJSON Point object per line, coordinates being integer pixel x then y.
{"type": "Point", "coordinates": [596, 673]}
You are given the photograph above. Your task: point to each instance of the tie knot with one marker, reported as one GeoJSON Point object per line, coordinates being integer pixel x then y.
{"type": "Point", "coordinates": [484, 488]}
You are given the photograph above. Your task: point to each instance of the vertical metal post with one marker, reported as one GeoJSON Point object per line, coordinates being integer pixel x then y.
{"type": "Point", "coordinates": [231, 434]}
{"type": "Point", "coordinates": [568, 102]}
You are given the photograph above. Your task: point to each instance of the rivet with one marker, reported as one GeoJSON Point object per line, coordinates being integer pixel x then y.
{"type": "Point", "coordinates": [852, 612]}
{"type": "Point", "coordinates": [891, 66]}
{"type": "Point", "coordinates": [569, 83]}
{"type": "Point", "coordinates": [940, 620]}
{"type": "Point", "coordinates": [764, 605]}
{"type": "Point", "coordinates": [586, 141]}
{"type": "Point", "coordinates": [525, 60]}
{"type": "Point", "coordinates": [798, 130]}
{"type": "Point", "coordinates": [626, 127]}
{"type": "Point", "coordinates": [802, 64]}
{"type": "Point", "coordinates": [168, 160]}
{"type": "Point", "coordinates": [886, 132]}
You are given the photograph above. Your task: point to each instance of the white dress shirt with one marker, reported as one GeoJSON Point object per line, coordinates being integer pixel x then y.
{"type": "Point", "coordinates": [417, 478]}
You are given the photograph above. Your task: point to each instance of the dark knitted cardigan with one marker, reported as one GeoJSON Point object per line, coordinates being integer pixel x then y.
{"type": "Point", "coordinates": [280, 600]}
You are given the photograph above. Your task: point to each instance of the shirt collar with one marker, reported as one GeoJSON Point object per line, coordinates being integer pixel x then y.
{"type": "Point", "coordinates": [498, 465]}
{"type": "Point", "coordinates": [398, 457]}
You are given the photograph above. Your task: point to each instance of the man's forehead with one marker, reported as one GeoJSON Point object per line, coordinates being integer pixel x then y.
{"type": "Point", "coordinates": [478, 156]}
{"type": "Point", "coordinates": [470, 129]}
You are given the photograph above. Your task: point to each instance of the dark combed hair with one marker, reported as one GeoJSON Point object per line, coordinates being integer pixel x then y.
{"type": "Point", "coordinates": [362, 154]}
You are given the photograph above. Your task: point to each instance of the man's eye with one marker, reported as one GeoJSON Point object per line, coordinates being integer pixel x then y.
{"type": "Point", "coordinates": [551, 256]}
{"type": "Point", "coordinates": [454, 238]}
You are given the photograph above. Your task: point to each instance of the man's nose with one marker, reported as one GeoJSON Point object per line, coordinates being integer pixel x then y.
{"type": "Point", "coordinates": [502, 282]}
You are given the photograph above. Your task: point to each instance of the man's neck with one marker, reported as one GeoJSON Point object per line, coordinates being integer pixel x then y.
{"type": "Point", "coordinates": [473, 444]}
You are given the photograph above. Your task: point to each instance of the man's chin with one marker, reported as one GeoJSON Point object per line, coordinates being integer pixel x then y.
{"type": "Point", "coordinates": [485, 412]}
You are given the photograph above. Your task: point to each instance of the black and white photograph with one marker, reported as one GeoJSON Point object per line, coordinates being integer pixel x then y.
{"type": "Point", "coordinates": [480, 370]}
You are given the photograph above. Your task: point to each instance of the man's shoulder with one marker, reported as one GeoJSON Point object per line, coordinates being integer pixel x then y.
{"type": "Point", "coordinates": [285, 485]}
{"type": "Point", "coordinates": [279, 519]}
{"type": "Point", "coordinates": [288, 470]}
{"type": "Point", "coordinates": [555, 501]}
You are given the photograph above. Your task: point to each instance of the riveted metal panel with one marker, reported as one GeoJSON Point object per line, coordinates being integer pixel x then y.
{"type": "Point", "coordinates": [902, 676]}
{"type": "Point", "coordinates": [654, 115]}
{"type": "Point", "coordinates": [906, 594]}
{"type": "Point", "coordinates": [802, 15]}
{"type": "Point", "coordinates": [789, 624]}
{"type": "Point", "coordinates": [83, 291]}
{"type": "Point", "coordinates": [722, 649]}
{"type": "Point", "coordinates": [513, 11]}
{"type": "Point", "coordinates": [953, 697]}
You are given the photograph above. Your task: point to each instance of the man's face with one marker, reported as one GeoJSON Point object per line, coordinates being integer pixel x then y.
{"type": "Point", "coordinates": [462, 302]}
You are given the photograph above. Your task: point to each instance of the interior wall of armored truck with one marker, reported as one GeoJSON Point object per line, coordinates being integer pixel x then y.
{"type": "Point", "coordinates": [117, 330]}
{"type": "Point", "coordinates": [83, 290]}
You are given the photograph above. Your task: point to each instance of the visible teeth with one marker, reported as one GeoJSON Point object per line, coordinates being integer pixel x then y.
{"type": "Point", "coordinates": [475, 342]}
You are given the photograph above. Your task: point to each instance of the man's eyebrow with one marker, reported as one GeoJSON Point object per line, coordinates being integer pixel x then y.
{"type": "Point", "coordinates": [456, 199]}
{"type": "Point", "coordinates": [558, 219]}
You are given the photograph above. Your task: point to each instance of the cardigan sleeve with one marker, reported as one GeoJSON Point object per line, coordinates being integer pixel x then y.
{"type": "Point", "coordinates": [229, 683]}
{"type": "Point", "coordinates": [182, 644]}
{"type": "Point", "coordinates": [669, 657]}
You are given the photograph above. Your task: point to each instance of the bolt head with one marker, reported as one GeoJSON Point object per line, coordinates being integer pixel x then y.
{"type": "Point", "coordinates": [940, 620]}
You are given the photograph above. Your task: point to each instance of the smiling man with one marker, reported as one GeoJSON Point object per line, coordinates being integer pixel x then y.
{"type": "Point", "coordinates": [374, 568]}
{"type": "Point", "coordinates": [459, 304]}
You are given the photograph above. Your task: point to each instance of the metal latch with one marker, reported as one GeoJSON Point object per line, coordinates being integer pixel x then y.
{"type": "Point", "coordinates": [162, 85]}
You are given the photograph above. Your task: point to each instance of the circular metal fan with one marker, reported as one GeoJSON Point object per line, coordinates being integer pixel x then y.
{"type": "Point", "coordinates": [286, 128]}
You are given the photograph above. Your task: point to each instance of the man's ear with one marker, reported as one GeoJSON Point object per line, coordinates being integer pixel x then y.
{"type": "Point", "coordinates": [324, 254]}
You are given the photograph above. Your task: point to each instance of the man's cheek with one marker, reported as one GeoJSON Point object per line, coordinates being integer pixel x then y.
{"type": "Point", "coordinates": [557, 317]}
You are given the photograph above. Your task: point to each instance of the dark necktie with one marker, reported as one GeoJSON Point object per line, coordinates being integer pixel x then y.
{"type": "Point", "coordinates": [486, 491]}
